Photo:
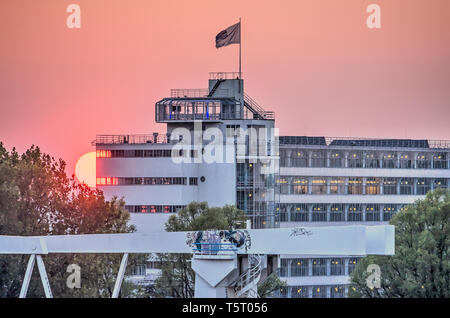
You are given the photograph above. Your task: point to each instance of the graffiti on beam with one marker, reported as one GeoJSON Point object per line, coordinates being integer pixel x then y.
{"type": "Point", "coordinates": [215, 241]}
{"type": "Point", "coordinates": [297, 231]}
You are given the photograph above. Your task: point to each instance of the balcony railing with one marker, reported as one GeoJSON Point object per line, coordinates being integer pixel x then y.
{"type": "Point", "coordinates": [215, 249]}
{"type": "Point", "coordinates": [188, 92]}
{"type": "Point", "coordinates": [155, 138]}
{"type": "Point", "coordinates": [224, 75]}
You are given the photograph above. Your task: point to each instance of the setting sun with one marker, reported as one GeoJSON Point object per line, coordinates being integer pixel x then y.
{"type": "Point", "coordinates": [85, 169]}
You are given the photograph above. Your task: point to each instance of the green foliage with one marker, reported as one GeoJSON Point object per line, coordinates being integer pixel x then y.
{"type": "Point", "coordinates": [271, 284]}
{"type": "Point", "coordinates": [420, 266]}
{"type": "Point", "coordinates": [177, 276]}
{"type": "Point", "coordinates": [37, 198]}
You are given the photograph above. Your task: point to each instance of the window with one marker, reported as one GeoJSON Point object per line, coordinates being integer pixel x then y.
{"type": "Point", "coordinates": [103, 154]}
{"type": "Point", "coordinates": [299, 159]}
{"type": "Point", "coordinates": [337, 267]}
{"type": "Point", "coordinates": [299, 292]}
{"type": "Point", "coordinates": [354, 213]}
{"type": "Point", "coordinates": [299, 185]}
{"type": "Point", "coordinates": [319, 213]}
{"type": "Point", "coordinates": [352, 264]}
{"type": "Point", "coordinates": [318, 159]}
{"type": "Point", "coordinates": [372, 160]}
{"type": "Point", "coordinates": [337, 213]}
{"type": "Point", "coordinates": [390, 186]}
{"type": "Point", "coordinates": [299, 267]}
{"type": "Point", "coordinates": [440, 183]}
{"type": "Point", "coordinates": [388, 211]}
{"type": "Point", "coordinates": [373, 186]}
{"type": "Point", "coordinates": [193, 181]}
{"type": "Point", "coordinates": [107, 181]}
{"type": "Point", "coordinates": [319, 267]}
{"type": "Point", "coordinates": [319, 186]}
{"type": "Point", "coordinates": [139, 270]}
{"type": "Point", "coordinates": [337, 186]}
{"type": "Point", "coordinates": [336, 160]}
{"type": "Point", "coordinates": [337, 291]}
{"type": "Point", "coordinates": [142, 181]}
{"type": "Point", "coordinates": [354, 160]}
{"type": "Point", "coordinates": [440, 161]}
{"type": "Point", "coordinates": [390, 160]}
{"type": "Point", "coordinates": [405, 161]}
{"type": "Point", "coordinates": [319, 291]}
{"type": "Point", "coordinates": [354, 186]}
{"type": "Point", "coordinates": [423, 186]}
{"type": "Point", "coordinates": [299, 213]}
{"type": "Point", "coordinates": [423, 161]}
{"type": "Point", "coordinates": [406, 186]}
{"type": "Point", "coordinates": [372, 212]}
{"type": "Point", "coordinates": [153, 208]}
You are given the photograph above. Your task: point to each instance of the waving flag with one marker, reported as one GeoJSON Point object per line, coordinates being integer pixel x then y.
{"type": "Point", "coordinates": [229, 36]}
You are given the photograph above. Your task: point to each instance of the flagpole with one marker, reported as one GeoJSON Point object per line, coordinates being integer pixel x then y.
{"type": "Point", "coordinates": [240, 43]}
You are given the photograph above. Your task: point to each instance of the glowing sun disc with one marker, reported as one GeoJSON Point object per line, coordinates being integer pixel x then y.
{"type": "Point", "coordinates": [85, 169]}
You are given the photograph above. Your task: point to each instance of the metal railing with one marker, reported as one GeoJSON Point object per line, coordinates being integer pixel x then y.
{"type": "Point", "coordinates": [433, 144]}
{"type": "Point", "coordinates": [197, 93]}
{"type": "Point", "coordinates": [131, 139]}
{"type": "Point", "coordinates": [215, 249]}
{"type": "Point", "coordinates": [224, 75]}
{"type": "Point", "coordinates": [254, 106]}
{"type": "Point", "coordinates": [249, 279]}
{"type": "Point", "coordinates": [188, 92]}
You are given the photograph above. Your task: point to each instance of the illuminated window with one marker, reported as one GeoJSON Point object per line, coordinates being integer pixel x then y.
{"type": "Point", "coordinates": [319, 186]}
{"type": "Point", "coordinates": [372, 186]}
{"type": "Point", "coordinates": [390, 186]}
{"type": "Point", "coordinates": [337, 266]}
{"type": "Point", "coordinates": [337, 212]}
{"type": "Point", "coordinates": [337, 186]}
{"type": "Point", "coordinates": [354, 186]}
{"type": "Point", "coordinates": [373, 212]}
{"type": "Point", "coordinates": [354, 213]}
{"type": "Point", "coordinates": [299, 185]}
{"type": "Point", "coordinates": [423, 186]}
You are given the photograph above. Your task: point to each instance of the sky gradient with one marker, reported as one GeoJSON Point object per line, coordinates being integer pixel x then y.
{"type": "Point", "coordinates": [315, 63]}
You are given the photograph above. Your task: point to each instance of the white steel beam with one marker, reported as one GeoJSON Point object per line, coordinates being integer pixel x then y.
{"type": "Point", "coordinates": [120, 275]}
{"type": "Point", "coordinates": [44, 278]}
{"type": "Point", "coordinates": [27, 278]}
{"type": "Point", "coordinates": [357, 240]}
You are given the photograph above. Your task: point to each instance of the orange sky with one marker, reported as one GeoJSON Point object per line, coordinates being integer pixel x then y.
{"type": "Point", "coordinates": [314, 62]}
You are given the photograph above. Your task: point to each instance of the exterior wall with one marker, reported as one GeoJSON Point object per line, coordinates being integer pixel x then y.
{"type": "Point", "coordinates": [303, 283]}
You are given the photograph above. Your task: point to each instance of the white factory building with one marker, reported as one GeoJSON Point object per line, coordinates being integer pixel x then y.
{"type": "Point", "coordinates": [220, 146]}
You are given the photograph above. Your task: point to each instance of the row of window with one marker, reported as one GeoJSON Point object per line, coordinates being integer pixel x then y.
{"type": "Point", "coordinates": [153, 208]}
{"type": "Point", "coordinates": [369, 186]}
{"type": "Point", "coordinates": [146, 181]}
{"type": "Point", "coordinates": [337, 159]}
{"type": "Point", "coordinates": [317, 291]}
{"type": "Point", "coordinates": [299, 267]}
{"type": "Point", "coordinates": [151, 153]}
{"type": "Point", "coordinates": [337, 212]}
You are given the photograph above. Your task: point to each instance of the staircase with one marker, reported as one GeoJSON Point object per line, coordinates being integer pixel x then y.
{"type": "Point", "coordinates": [216, 85]}
{"type": "Point", "coordinates": [246, 285]}
{"type": "Point", "coordinates": [258, 111]}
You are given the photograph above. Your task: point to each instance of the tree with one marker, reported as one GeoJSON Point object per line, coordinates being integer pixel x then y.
{"type": "Point", "coordinates": [177, 277]}
{"type": "Point", "coordinates": [270, 285]}
{"type": "Point", "coordinates": [420, 266]}
{"type": "Point", "coordinates": [37, 198]}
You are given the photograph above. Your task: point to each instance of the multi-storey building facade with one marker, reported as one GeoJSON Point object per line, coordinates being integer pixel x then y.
{"type": "Point", "coordinates": [279, 182]}
{"type": "Point", "coordinates": [341, 181]}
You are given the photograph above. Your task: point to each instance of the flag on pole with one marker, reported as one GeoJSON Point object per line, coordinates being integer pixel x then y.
{"type": "Point", "coordinates": [229, 36]}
